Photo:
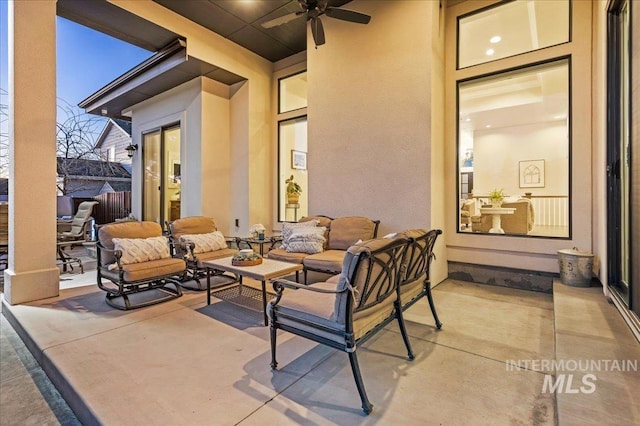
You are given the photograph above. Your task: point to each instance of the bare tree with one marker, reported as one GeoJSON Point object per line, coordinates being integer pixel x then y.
{"type": "Point", "coordinates": [76, 135]}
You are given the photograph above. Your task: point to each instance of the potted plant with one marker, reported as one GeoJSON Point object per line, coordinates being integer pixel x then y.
{"type": "Point", "coordinates": [496, 196]}
{"type": "Point", "coordinates": [293, 191]}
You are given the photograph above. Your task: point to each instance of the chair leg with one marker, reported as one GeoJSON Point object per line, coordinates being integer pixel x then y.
{"type": "Point", "coordinates": [366, 405]}
{"type": "Point", "coordinates": [433, 307]}
{"type": "Point", "coordinates": [403, 331]}
{"type": "Point", "coordinates": [274, 363]}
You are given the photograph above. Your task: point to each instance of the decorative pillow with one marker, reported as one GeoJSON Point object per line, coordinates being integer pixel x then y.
{"type": "Point", "coordinates": [309, 247]}
{"type": "Point", "coordinates": [205, 242]}
{"type": "Point", "coordinates": [308, 240]}
{"type": "Point", "coordinates": [136, 250]}
{"type": "Point", "coordinates": [287, 229]}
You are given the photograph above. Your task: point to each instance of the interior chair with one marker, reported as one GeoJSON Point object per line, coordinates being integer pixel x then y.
{"type": "Point", "coordinates": [194, 243]}
{"type": "Point", "coordinates": [76, 234]}
{"type": "Point", "coordinates": [414, 282]}
{"type": "Point", "coordinates": [520, 222]}
{"type": "Point", "coordinates": [346, 314]}
{"type": "Point", "coordinates": [134, 257]}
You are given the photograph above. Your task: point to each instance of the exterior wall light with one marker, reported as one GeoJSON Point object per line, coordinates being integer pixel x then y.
{"type": "Point", "coordinates": [131, 149]}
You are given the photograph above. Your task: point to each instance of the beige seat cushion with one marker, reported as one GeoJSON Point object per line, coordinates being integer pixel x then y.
{"type": "Point", "coordinates": [148, 270]}
{"type": "Point", "coordinates": [330, 260]}
{"type": "Point", "coordinates": [284, 256]}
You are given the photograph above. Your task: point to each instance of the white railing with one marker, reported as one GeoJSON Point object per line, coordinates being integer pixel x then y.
{"type": "Point", "coordinates": [551, 210]}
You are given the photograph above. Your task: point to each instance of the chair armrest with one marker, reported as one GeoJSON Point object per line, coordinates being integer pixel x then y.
{"type": "Point", "coordinates": [116, 253]}
{"type": "Point", "coordinates": [279, 284]}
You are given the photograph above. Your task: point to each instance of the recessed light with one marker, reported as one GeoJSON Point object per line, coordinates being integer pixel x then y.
{"type": "Point", "coordinates": [490, 52]}
{"type": "Point", "coordinates": [495, 39]}
{"type": "Point", "coordinates": [488, 126]}
{"type": "Point", "coordinates": [559, 117]}
{"type": "Point", "coordinates": [468, 119]}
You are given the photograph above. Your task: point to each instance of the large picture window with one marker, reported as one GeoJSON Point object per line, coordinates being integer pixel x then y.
{"type": "Point", "coordinates": [513, 138]}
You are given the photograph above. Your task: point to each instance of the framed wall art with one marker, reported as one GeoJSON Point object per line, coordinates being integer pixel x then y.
{"type": "Point", "coordinates": [531, 174]}
{"type": "Point", "coordinates": [298, 160]}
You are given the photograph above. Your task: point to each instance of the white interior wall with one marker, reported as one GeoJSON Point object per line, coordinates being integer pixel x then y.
{"type": "Point", "coordinates": [371, 155]}
{"type": "Point", "coordinates": [497, 158]}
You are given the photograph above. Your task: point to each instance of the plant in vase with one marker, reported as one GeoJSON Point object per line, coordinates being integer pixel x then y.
{"type": "Point", "coordinates": [293, 191]}
{"type": "Point", "coordinates": [496, 197]}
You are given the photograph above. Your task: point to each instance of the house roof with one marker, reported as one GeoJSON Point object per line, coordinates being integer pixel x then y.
{"type": "Point", "coordinates": [166, 69]}
{"type": "Point", "coordinates": [123, 125]}
{"type": "Point", "coordinates": [75, 167]}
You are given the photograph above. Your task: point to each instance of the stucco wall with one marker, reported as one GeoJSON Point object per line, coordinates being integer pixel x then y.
{"type": "Point", "coordinates": [369, 116]}
{"type": "Point", "coordinates": [251, 191]}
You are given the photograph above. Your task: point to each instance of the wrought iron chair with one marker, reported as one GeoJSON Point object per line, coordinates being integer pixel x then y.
{"type": "Point", "coordinates": [345, 315]}
{"type": "Point", "coordinates": [181, 229]}
{"type": "Point", "coordinates": [134, 257]}
{"type": "Point", "coordinates": [76, 235]}
{"type": "Point", "coordinates": [414, 283]}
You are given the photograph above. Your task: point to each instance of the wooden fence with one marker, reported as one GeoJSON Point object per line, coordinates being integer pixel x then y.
{"type": "Point", "coordinates": [113, 205]}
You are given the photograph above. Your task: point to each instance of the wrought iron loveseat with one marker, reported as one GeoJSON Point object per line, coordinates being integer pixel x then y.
{"type": "Point", "coordinates": [345, 314]}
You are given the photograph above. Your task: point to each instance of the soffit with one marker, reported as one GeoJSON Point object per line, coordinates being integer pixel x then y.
{"type": "Point", "coordinates": [238, 21]}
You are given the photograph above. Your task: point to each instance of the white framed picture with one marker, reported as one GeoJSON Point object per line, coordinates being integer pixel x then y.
{"type": "Point", "coordinates": [531, 174]}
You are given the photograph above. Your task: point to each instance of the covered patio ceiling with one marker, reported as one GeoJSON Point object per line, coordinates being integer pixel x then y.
{"type": "Point", "coordinates": [238, 21]}
{"type": "Point", "coordinates": [170, 66]}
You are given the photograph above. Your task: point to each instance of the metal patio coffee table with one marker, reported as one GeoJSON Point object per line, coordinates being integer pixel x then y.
{"type": "Point", "coordinates": [267, 270]}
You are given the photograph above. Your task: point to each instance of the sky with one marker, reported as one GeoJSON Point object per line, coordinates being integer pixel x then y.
{"type": "Point", "coordinates": [87, 60]}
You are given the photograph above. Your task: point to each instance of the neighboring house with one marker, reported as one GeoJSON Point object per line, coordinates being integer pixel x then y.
{"type": "Point", "coordinates": [87, 178]}
{"type": "Point", "coordinates": [112, 141]}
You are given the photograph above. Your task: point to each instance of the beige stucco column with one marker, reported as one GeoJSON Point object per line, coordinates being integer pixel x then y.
{"type": "Point", "coordinates": [32, 273]}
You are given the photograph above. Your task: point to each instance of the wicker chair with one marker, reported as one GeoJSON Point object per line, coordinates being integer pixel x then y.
{"type": "Point", "coordinates": [345, 315]}
{"type": "Point", "coordinates": [144, 266]}
{"type": "Point", "coordinates": [195, 267]}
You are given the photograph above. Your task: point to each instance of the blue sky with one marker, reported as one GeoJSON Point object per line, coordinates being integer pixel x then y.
{"type": "Point", "coordinates": [86, 59]}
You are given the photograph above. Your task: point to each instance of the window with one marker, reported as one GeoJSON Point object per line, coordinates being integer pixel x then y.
{"type": "Point", "coordinates": [510, 29]}
{"type": "Point", "coordinates": [513, 135]}
{"type": "Point", "coordinates": [293, 183]}
{"type": "Point", "coordinates": [292, 167]}
{"type": "Point", "coordinates": [292, 92]}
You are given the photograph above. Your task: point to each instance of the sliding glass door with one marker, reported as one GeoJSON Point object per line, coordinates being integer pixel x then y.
{"type": "Point", "coordinates": [161, 187]}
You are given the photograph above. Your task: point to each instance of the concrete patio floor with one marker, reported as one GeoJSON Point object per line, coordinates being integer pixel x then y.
{"type": "Point", "coordinates": [186, 363]}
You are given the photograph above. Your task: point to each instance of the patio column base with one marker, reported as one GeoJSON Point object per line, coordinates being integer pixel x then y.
{"type": "Point", "coordinates": [29, 286]}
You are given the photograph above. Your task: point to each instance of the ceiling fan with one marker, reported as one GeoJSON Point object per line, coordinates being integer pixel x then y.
{"type": "Point", "coordinates": [313, 9]}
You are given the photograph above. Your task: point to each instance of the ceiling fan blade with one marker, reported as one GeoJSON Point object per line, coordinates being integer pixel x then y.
{"type": "Point", "coordinates": [282, 19]}
{"type": "Point", "coordinates": [317, 31]}
{"type": "Point", "coordinates": [348, 15]}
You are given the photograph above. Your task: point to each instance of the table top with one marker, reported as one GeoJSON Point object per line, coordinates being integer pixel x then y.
{"type": "Point", "coordinates": [270, 239]}
{"type": "Point", "coordinates": [497, 210]}
{"type": "Point", "coordinates": [266, 270]}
